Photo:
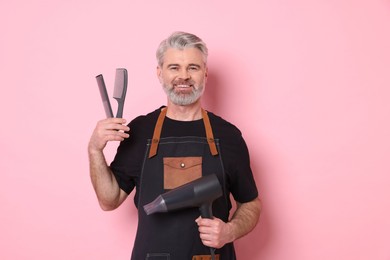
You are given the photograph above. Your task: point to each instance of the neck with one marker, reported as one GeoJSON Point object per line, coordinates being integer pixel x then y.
{"type": "Point", "coordinates": [184, 113]}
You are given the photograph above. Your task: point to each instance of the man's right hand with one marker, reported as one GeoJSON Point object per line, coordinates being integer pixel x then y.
{"type": "Point", "coordinates": [106, 130]}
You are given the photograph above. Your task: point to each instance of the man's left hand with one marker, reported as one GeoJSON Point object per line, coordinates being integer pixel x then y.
{"type": "Point", "coordinates": [214, 232]}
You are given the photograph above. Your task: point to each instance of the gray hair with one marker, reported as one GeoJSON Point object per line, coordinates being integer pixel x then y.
{"type": "Point", "coordinates": [181, 40]}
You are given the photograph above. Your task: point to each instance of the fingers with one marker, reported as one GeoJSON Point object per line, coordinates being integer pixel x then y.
{"type": "Point", "coordinates": [106, 130]}
{"type": "Point", "coordinates": [211, 232]}
{"type": "Point", "coordinates": [113, 135]}
{"type": "Point", "coordinates": [113, 124]}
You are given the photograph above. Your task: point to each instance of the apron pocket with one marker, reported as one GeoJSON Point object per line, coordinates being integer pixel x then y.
{"type": "Point", "coordinates": [181, 170]}
{"type": "Point", "coordinates": [204, 257]}
{"type": "Point", "coordinates": [158, 256]}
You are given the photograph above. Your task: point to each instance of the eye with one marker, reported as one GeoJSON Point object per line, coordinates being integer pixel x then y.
{"type": "Point", "coordinates": [193, 68]}
{"type": "Point", "coordinates": [173, 68]}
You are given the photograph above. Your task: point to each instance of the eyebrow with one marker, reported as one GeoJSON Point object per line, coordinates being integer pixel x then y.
{"type": "Point", "coordinates": [178, 65]}
{"type": "Point", "coordinates": [172, 65]}
{"type": "Point", "coordinates": [193, 64]}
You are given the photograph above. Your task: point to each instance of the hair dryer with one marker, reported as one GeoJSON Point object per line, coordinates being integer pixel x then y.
{"type": "Point", "coordinates": [198, 193]}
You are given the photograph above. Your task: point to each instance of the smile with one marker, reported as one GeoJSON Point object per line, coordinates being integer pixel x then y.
{"type": "Point", "coordinates": [183, 86]}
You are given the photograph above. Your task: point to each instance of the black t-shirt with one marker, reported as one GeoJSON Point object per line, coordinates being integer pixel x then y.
{"type": "Point", "coordinates": [127, 164]}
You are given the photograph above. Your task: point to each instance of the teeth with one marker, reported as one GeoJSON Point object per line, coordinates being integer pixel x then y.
{"type": "Point", "coordinates": [183, 86]}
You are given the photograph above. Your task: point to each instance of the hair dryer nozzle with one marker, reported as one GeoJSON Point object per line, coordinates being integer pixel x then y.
{"type": "Point", "coordinates": [158, 205]}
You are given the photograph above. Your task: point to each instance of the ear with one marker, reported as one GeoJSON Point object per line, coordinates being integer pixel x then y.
{"type": "Point", "coordinates": [159, 72]}
{"type": "Point", "coordinates": [206, 74]}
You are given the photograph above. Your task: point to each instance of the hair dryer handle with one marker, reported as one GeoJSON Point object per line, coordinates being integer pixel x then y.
{"type": "Point", "coordinates": [206, 210]}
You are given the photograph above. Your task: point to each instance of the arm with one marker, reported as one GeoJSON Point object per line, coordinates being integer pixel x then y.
{"type": "Point", "coordinates": [216, 233]}
{"type": "Point", "coordinates": [245, 218]}
{"type": "Point", "coordinates": [107, 190]}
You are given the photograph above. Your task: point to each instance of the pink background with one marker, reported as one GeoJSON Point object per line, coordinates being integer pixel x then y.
{"type": "Point", "coordinates": [307, 82]}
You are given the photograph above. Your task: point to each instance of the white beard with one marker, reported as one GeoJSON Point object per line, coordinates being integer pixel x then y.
{"type": "Point", "coordinates": [183, 99]}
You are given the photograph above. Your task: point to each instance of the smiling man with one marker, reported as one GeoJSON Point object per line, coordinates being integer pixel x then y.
{"type": "Point", "coordinates": [169, 147]}
{"type": "Point", "coordinates": [183, 75]}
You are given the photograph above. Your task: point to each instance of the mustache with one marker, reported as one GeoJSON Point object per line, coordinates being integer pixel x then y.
{"type": "Point", "coordinates": [184, 82]}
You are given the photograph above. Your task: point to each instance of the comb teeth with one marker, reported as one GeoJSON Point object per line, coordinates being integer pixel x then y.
{"type": "Point", "coordinates": [120, 83]}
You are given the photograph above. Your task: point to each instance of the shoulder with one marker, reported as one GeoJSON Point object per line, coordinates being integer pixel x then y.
{"type": "Point", "coordinates": [147, 119]}
{"type": "Point", "coordinates": [223, 129]}
{"type": "Point", "coordinates": [143, 125]}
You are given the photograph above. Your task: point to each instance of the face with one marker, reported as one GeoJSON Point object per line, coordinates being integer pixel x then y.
{"type": "Point", "coordinates": [183, 75]}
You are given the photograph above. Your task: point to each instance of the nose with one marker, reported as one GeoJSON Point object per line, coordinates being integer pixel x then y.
{"type": "Point", "coordinates": [184, 74]}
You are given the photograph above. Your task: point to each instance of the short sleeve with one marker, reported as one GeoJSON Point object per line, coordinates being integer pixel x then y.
{"type": "Point", "coordinates": [243, 187]}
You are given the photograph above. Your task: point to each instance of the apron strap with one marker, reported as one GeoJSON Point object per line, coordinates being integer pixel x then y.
{"type": "Point", "coordinates": [209, 133]}
{"type": "Point", "coordinates": [157, 132]}
{"type": "Point", "coordinates": [158, 127]}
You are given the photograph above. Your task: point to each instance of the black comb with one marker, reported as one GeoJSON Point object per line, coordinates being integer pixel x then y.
{"type": "Point", "coordinates": [103, 94]}
{"type": "Point", "coordinates": [120, 88]}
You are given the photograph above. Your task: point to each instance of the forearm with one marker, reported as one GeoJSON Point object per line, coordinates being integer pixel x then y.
{"type": "Point", "coordinates": [244, 219]}
{"type": "Point", "coordinates": [103, 181]}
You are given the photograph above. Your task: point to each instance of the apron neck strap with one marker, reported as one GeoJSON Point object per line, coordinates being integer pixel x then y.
{"type": "Point", "coordinates": [159, 124]}
{"type": "Point", "coordinates": [209, 133]}
{"type": "Point", "coordinates": [157, 132]}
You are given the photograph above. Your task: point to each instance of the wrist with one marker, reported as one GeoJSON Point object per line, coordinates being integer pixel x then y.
{"type": "Point", "coordinates": [92, 150]}
{"type": "Point", "coordinates": [231, 232]}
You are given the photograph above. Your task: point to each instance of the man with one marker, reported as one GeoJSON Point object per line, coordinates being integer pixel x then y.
{"type": "Point", "coordinates": [169, 147]}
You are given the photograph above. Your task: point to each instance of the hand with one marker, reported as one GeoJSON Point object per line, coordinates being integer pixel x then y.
{"type": "Point", "coordinates": [110, 129]}
{"type": "Point", "coordinates": [214, 232]}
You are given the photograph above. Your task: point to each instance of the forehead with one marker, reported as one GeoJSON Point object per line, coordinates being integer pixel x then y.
{"type": "Point", "coordinates": [183, 57]}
